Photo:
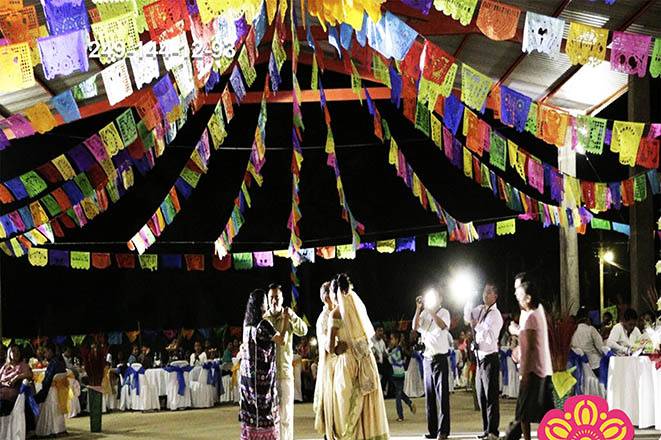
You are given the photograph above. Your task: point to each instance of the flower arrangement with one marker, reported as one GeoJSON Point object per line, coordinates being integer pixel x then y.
{"type": "Point", "coordinates": [561, 329]}
{"type": "Point", "coordinates": [94, 360]}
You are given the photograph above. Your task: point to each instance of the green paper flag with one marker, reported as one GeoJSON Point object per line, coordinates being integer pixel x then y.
{"type": "Point", "coordinates": [655, 61]}
{"type": "Point", "coordinates": [639, 188]}
{"type": "Point", "coordinates": [127, 129]}
{"type": "Point", "coordinates": [278, 51]}
{"type": "Point", "coordinates": [148, 261]}
{"type": "Point", "coordinates": [51, 205]}
{"type": "Point", "coordinates": [314, 81]}
{"type": "Point", "coordinates": [599, 223]}
{"type": "Point", "coordinates": [242, 260]}
{"type": "Point", "coordinates": [380, 70]}
{"type": "Point", "coordinates": [448, 82]}
{"type": "Point", "coordinates": [498, 151]}
{"type": "Point", "coordinates": [422, 118]}
{"type": "Point", "coordinates": [386, 129]}
{"type": "Point", "coordinates": [475, 87]}
{"type": "Point", "coordinates": [591, 132]}
{"type": "Point", "coordinates": [436, 131]}
{"type": "Point", "coordinates": [84, 184]}
{"type": "Point", "coordinates": [356, 83]}
{"type": "Point", "coordinates": [247, 69]}
{"type": "Point", "coordinates": [33, 183]}
{"type": "Point", "coordinates": [438, 239]}
{"type": "Point", "coordinates": [190, 176]}
{"type": "Point", "coordinates": [80, 260]}
{"type": "Point", "coordinates": [531, 122]}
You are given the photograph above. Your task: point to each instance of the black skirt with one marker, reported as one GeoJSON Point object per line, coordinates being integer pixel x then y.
{"type": "Point", "coordinates": [535, 399]}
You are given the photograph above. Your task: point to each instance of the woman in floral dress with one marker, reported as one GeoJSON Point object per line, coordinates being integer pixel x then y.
{"type": "Point", "coordinates": [259, 397]}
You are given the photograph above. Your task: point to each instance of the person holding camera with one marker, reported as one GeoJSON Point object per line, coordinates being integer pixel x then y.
{"type": "Point", "coordinates": [432, 321]}
{"type": "Point", "coordinates": [486, 322]}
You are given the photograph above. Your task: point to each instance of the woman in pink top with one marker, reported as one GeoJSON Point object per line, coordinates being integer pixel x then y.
{"type": "Point", "coordinates": [12, 374]}
{"type": "Point", "coordinates": [535, 393]}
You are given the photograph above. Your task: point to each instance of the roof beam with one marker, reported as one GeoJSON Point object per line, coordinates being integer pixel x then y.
{"type": "Point", "coordinates": [569, 73]}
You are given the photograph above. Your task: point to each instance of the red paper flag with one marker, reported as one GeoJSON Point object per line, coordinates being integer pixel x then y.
{"type": "Point", "coordinates": [194, 261]}
{"type": "Point", "coordinates": [100, 260]}
{"type": "Point", "coordinates": [223, 264]}
{"type": "Point", "coordinates": [5, 195]}
{"type": "Point", "coordinates": [49, 172]}
{"type": "Point", "coordinates": [436, 64]}
{"type": "Point", "coordinates": [125, 261]}
{"type": "Point", "coordinates": [627, 192]}
{"type": "Point", "coordinates": [648, 153]}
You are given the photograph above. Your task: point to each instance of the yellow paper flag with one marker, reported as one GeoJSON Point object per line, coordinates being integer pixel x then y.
{"type": "Point", "coordinates": [468, 163]}
{"type": "Point", "coordinates": [385, 246]}
{"type": "Point", "coordinates": [626, 139]}
{"type": "Point", "coordinates": [40, 117]}
{"type": "Point", "coordinates": [15, 67]}
{"type": "Point", "coordinates": [506, 227]}
{"type": "Point", "coordinates": [38, 256]}
{"type": "Point", "coordinates": [64, 167]}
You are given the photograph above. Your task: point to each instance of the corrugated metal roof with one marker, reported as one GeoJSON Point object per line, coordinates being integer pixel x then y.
{"type": "Point", "coordinates": [533, 76]}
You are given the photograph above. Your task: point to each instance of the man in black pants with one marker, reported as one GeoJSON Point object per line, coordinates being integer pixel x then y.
{"type": "Point", "coordinates": [432, 322]}
{"type": "Point", "coordinates": [486, 322]}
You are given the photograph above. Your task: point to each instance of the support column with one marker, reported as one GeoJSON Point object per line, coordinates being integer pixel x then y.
{"type": "Point", "coordinates": [641, 214]}
{"type": "Point", "coordinates": [570, 293]}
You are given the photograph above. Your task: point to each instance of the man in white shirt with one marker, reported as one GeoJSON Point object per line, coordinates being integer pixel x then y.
{"type": "Point", "coordinates": [624, 334]}
{"type": "Point", "coordinates": [587, 339]}
{"type": "Point", "coordinates": [433, 322]}
{"type": "Point", "coordinates": [379, 350]}
{"type": "Point", "coordinates": [198, 357]}
{"type": "Point", "coordinates": [486, 322]}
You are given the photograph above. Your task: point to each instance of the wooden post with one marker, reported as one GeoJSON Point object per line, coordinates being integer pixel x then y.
{"type": "Point", "coordinates": [641, 214]}
{"type": "Point", "coordinates": [570, 294]}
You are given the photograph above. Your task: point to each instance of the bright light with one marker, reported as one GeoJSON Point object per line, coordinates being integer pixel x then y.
{"type": "Point", "coordinates": [609, 257]}
{"type": "Point", "coordinates": [463, 286]}
{"type": "Point", "coordinates": [430, 299]}
{"type": "Point", "coordinates": [313, 342]}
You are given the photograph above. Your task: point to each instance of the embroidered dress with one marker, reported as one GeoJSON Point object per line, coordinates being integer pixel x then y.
{"type": "Point", "coordinates": [359, 411]}
{"type": "Point", "coordinates": [258, 412]}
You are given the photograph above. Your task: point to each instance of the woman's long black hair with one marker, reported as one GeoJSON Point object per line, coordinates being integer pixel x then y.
{"type": "Point", "coordinates": [254, 311]}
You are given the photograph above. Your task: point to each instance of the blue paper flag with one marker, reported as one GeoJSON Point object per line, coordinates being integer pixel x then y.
{"type": "Point", "coordinates": [17, 188]}
{"type": "Point", "coordinates": [514, 108]}
{"type": "Point", "coordinates": [333, 40]}
{"type": "Point", "coordinates": [622, 228]}
{"type": "Point", "coordinates": [405, 244]}
{"type": "Point", "coordinates": [58, 257]}
{"type": "Point", "coordinates": [453, 111]}
{"type": "Point", "coordinates": [184, 188]}
{"type": "Point", "coordinates": [346, 32]}
{"type": "Point", "coordinates": [486, 231]}
{"type": "Point", "coordinates": [395, 86]}
{"type": "Point", "coordinates": [66, 106]}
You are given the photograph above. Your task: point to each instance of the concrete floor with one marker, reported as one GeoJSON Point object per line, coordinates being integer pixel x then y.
{"type": "Point", "coordinates": [221, 423]}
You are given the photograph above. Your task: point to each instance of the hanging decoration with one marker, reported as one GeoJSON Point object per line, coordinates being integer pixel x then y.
{"type": "Point", "coordinates": [543, 34]}
{"type": "Point", "coordinates": [629, 53]}
{"type": "Point", "coordinates": [498, 21]}
{"type": "Point", "coordinates": [586, 44]}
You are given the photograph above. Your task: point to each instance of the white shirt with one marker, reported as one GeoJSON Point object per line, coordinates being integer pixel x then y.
{"type": "Point", "coordinates": [199, 361]}
{"type": "Point", "coordinates": [535, 320]}
{"type": "Point", "coordinates": [588, 339]}
{"type": "Point", "coordinates": [619, 341]}
{"type": "Point", "coordinates": [435, 339]}
{"type": "Point", "coordinates": [489, 322]}
{"type": "Point", "coordinates": [379, 349]}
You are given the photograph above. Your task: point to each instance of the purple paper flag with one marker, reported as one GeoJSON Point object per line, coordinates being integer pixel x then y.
{"type": "Point", "coordinates": [395, 86]}
{"type": "Point", "coordinates": [514, 108]}
{"type": "Point", "coordinates": [63, 16]}
{"type": "Point", "coordinates": [263, 259]}
{"type": "Point", "coordinates": [370, 245]}
{"type": "Point", "coordinates": [165, 94]}
{"type": "Point", "coordinates": [453, 111]}
{"type": "Point", "coordinates": [19, 125]}
{"type": "Point", "coordinates": [4, 142]}
{"type": "Point", "coordinates": [237, 84]}
{"type": "Point", "coordinates": [64, 54]}
{"type": "Point", "coordinates": [57, 257]}
{"type": "Point", "coordinates": [486, 231]}
{"type": "Point", "coordinates": [421, 5]}
{"type": "Point", "coordinates": [81, 157]}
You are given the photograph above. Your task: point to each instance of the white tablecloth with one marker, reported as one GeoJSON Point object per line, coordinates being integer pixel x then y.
{"type": "Point", "coordinates": [158, 378]}
{"type": "Point", "coordinates": [634, 386]}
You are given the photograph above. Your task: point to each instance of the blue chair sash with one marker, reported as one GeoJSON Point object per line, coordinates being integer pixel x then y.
{"type": "Point", "coordinates": [418, 356]}
{"type": "Point", "coordinates": [29, 397]}
{"type": "Point", "coordinates": [132, 377]}
{"type": "Point", "coordinates": [504, 369]}
{"type": "Point", "coordinates": [213, 375]}
{"type": "Point", "coordinates": [181, 390]}
{"type": "Point", "coordinates": [575, 361]}
{"type": "Point", "coordinates": [453, 362]}
{"type": "Point", "coordinates": [603, 368]}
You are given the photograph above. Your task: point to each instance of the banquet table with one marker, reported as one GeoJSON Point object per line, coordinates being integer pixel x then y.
{"type": "Point", "coordinates": [634, 386]}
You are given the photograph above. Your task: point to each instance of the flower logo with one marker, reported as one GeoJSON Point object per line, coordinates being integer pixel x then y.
{"type": "Point", "coordinates": [585, 418]}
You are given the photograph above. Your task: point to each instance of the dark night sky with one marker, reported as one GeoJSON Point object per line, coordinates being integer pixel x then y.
{"type": "Point", "coordinates": [52, 301]}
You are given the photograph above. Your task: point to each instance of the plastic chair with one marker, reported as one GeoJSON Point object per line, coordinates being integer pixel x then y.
{"type": "Point", "coordinates": [52, 411]}
{"type": "Point", "coordinates": [177, 388]}
{"type": "Point", "coordinates": [203, 386]}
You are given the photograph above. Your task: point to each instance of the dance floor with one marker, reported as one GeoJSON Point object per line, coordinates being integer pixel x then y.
{"type": "Point", "coordinates": [221, 423]}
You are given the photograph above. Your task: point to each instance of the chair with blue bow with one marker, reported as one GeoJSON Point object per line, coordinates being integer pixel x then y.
{"type": "Point", "coordinates": [13, 426]}
{"type": "Point", "coordinates": [203, 385]}
{"type": "Point", "coordinates": [177, 388]}
{"type": "Point", "coordinates": [142, 394]}
{"type": "Point", "coordinates": [586, 381]}
{"type": "Point", "coordinates": [509, 374]}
